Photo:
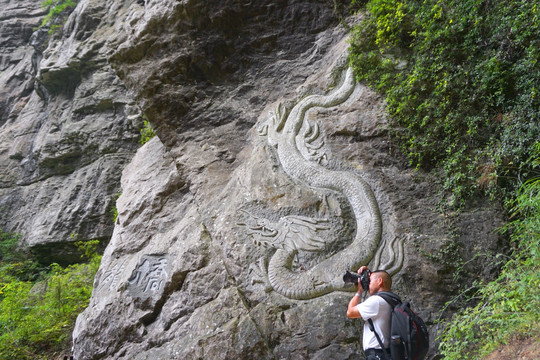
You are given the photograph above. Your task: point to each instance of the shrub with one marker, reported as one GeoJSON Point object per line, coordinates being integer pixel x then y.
{"type": "Point", "coordinates": [8, 247]}
{"type": "Point", "coordinates": [461, 85]}
{"type": "Point", "coordinates": [507, 307]}
{"type": "Point", "coordinates": [14, 260]}
{"type": "Point", "coordinates": [58, 9]}
{"type": "Point", "coordinates": [147, 132]}
{"type": "Point", "coordinates": [37, 317]}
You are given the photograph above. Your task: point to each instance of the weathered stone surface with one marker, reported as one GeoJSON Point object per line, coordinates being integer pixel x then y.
{"type": "Point", "coordinates": [17, 22]}
{"type": "Point", "coordinates": [182, 228]}
{"type": "Point", "coordinates": [185, 60]}
{"type": "Point", "coordinates": [67, 127]}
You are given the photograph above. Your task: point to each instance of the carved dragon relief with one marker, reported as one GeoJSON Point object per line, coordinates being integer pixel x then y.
{"type": "Point", "coordinates": [300, 150]}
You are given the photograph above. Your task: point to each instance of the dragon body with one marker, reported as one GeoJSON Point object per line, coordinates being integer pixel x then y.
{"type": "Point", "coordinates": [325, 276]}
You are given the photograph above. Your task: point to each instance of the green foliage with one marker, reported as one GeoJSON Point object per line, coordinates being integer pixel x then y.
{"type": "Point", "coordinates": [37, 317]}
{"type": "Point", "coordinates": [114, 209]}
{"type": "Point", "coordinates": [460, 80]}
{"type": "Point", "coordinates": [8, 247]}
{"type": "Point", "coordinates": [146, 133]}
{"type": "Point", "coordinates": [58, 9]}
{"type": "Point", "coordinates": [461, 85]}
{"type": "Point", "coordinates": [14, 262]}
{"type": "Point", "coordinates": [114, 213]}
{"type": "Point", "coordinates": [507, 307]}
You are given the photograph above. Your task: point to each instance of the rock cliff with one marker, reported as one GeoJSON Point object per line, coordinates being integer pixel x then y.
{"type": "Point", "coordinates": [271, 172]}
{"type": "Point", "coordinates": [68, 126]}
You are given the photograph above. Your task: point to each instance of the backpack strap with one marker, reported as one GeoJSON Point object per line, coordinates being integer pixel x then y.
{"type": "Point", "coordinates": [390, 298]}
{"type": "Point", "coordinates": [372, 328]}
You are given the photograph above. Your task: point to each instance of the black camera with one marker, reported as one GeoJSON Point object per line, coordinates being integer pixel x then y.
{"type": "Point", "coordinates": [351, 278]}
{"type": "Point", "coordinates": [354, 278]}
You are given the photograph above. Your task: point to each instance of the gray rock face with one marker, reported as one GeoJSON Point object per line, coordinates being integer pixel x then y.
{"type": "Point", "coordinates": [217, 224]}
{"type": "Point", "coordinates": [206, 207]}
{"type": "Point", "coordinates": [67, 127]}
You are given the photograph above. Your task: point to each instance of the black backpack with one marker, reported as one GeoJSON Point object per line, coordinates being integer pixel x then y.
{"type": "Point", "coordinates": [409, 337]}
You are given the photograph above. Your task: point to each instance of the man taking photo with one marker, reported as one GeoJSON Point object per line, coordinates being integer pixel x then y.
{"type": "Point", "coordinates": [376, 309]}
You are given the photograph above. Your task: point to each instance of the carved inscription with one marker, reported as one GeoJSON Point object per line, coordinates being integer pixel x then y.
{"type": "Point", "coordinates": [150, 275]}
{"type": "Point", "coordinates": [111, 277]}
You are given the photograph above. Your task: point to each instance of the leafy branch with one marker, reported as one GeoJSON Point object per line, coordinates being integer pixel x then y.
{"type": "Point", "coordinates": [58, 10]}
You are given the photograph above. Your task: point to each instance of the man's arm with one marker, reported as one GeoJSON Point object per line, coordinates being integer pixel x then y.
{"type": "Point", "coordinates": [352, 309]}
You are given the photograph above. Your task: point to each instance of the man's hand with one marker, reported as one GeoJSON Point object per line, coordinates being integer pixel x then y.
{"type": "Point", "coordinates": [362, 268]}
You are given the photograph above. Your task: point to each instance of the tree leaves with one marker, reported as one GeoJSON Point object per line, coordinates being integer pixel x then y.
{"type": "Point", "coordinates": [457, 73]}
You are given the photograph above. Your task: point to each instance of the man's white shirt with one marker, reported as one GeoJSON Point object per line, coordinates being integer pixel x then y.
{"type": "Point", "coordinates": [379, 311]}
